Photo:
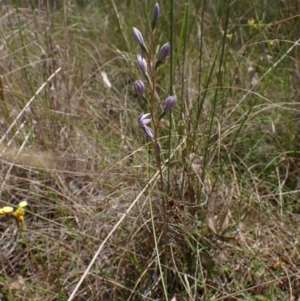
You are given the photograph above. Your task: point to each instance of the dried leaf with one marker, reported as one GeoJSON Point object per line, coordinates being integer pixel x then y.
{"type": "Point", "coordinates": [211, 224]}
{"type": "Point", "coordinates": [106, 80]}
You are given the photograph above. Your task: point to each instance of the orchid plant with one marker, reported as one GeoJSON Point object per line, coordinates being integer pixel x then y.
{"type": "Point", "coordinates": [149, 122]}
{"type": "Point", "coordinates": [18, 213]}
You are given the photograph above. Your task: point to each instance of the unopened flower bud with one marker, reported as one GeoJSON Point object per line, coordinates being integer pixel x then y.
{"type": "Point", "coordinates": [164, 51]}
{"type": "Point", "coordinates": [139, 87]}
{"type": "Point", "coordinates": [162, 54]}
{"type": "Point", "coordinates": [139, 38]}
{"type": "Point", "coordinates": [141, 62]}
{"type": "Point", "coordinates": [169, 103]}
{"type": "Point", "coordinates": [155, 14]}
{"type": "Point", "coordinates": [137, 35]}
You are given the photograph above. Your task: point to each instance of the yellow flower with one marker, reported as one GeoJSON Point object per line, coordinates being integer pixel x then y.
{"type": "Point", "coordinates": [23, 204]}
{"type": "Point", "coordinates": [228, 35]}
{"type": "Point", "coordinates": [252, 23]}
{"type": "Point", "coordinates": [274, 42]}
{"type": "Point", "coordinates": [6, 209]}
{"type": "Point", "coordinates": [19, 212]}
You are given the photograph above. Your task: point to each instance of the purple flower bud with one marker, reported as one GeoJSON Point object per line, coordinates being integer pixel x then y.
{"type": "Point", "coordinates": [141, 62]}
{"type": "Point", "coordinates": [164, 51]}
{"type": "Point", "coordinates": [155, 13]}
{"type": "Point", "coordinates": [169, 103]}
{"type": "Point", "coordinates": [139, 87]}
{"type": "Point", "coordinates": [138, 36]}
{"type": "Point", "coordinates": [148, 131]}
{"type": "Point", "coordinates": [143, 120]}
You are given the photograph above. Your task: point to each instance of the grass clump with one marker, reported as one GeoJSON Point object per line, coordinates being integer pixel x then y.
{"type": "Point", "coordinates": [99, 225]}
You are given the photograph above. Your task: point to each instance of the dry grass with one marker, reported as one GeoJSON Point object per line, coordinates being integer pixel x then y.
{"type": "Point", "coordinates": [77, 157]}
